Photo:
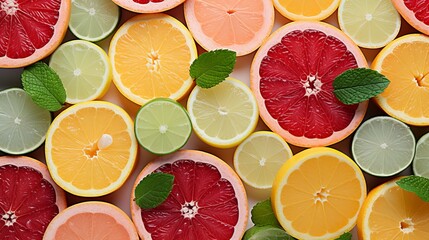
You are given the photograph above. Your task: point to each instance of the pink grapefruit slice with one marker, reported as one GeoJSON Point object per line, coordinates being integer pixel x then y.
{"type": "Point", "coordinates": [415, 12]}
{"type": "Point", "coordinates": [148, 6]}
{"type": "Point", "coordinates": [31, 30]}
{"type": "Point", "coordinates": [291, 77]}
{"type": "Point", "coordinates": [29, 198]}
{"type": "Point", "coordinates": [208, 200]}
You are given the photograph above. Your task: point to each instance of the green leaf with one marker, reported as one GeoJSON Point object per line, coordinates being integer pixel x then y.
{"type": "Point", "coordinates": [263, 214]}
{"type": "Point", "coordinates": [345, 236]}
{"type": "Point", "coordinates": [358, 85]}
{"type": "Point", "coordinates": [417, 185]}
{"type": "Point", "coordinates": [44, 86]}
{"type": "Point", "coordinates": [153, 190]}
{"type": "Point", "coordinates": [266, 233]}
{"type": "Point", "coordinates": [211, 68]}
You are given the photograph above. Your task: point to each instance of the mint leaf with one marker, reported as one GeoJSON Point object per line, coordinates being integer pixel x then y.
{"type": "Point", "coordinates": [345, 236]}
{"type": "Point", "coordinates": [358, 85]}
{"type": "Point", "coordinates": [417, 185]}
{"type": "Point", "coordinates": [44, 86]}
{"type": "Point", "coordinates": [263, 214]}
{"type": "Point", "coordinates": [153, 190]}
{"type": "Point", "coordinates": [266, 233]}
{"type": "Point", "coordinates": [211, 68]}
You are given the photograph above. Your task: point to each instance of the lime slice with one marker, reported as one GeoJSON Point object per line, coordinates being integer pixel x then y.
{"type": "Point", "coordinates": [421, 159]}
{"type": "Point", "coordinates": [258, 158]}
{"type": "Point", "coordinates": [162, 126]}
{"type": "Point", "coordinates": [93, 20]}
{"type": "Point", "coordinates": [84, 69]}
{"type": "Point", "coordinates": [23, 124]}
{"type": "Point", "coordinates": [383, 146]}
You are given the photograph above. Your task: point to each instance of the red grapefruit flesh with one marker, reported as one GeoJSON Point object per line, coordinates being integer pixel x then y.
{"type": "Point", "coordinates": [291, 77]}
{"type": "Point", "coordinates": [415, 12]}
{"type": "Point", "coordinates": [29, 199]}
{"type": "Point", "coordinates": [31, 30]}
{"type": "Point", "coordinates": [208, 200]}
{"type": "Point", "coordinates": [148, 6]}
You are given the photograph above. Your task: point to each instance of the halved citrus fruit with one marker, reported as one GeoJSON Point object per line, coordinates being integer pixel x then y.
{"type": "Point", "coordinates": [421, 159]}
{"type": "Point", "coordinates": [208, 200]}
{"type": "Point", "coordinates": [31, 30]}
{"type": "Point", "coordinates": [389, 212]}
{"type": "Point", "coordinates": [306, 9]}
{"type": "Point", "coordinates": [291, 77]}
{"type": "Point", "coordinates": [151, 55]}
{"type": "Point", "coordinates": [92, 220]}
{"type": "Point", "coordinates": [29, 198]}
{"type": "Point", "coordinates": [405, 63]}
{"type": "Point", "coordinates": [415, 12]}
{"type": "Point", "coordinates": [148, 6]}
{"type": "Point", "coordinates": [318, 193]}
{"type": "Point", "coordinates": [237, 25]}
{"type": "Point", "coordinates": [91, 148]}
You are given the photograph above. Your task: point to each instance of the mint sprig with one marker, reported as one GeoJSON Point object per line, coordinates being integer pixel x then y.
{"type": "Point", "coordinates": [44, 86]}
{"type": "Point", "coordinates": [360, 84]}
{"type": "Point", "coordinates": [211, 68]}
{"type": "Point", "coordinates": [266, 233]}
{"type": "Point", "coordinates": [153, 190]}
{"type": "Point", "coordinates": [416, 184]}
{"type": "Point", "coordinates": [345, 236]}
{"type": "Point", "coordinates": [263, 214]}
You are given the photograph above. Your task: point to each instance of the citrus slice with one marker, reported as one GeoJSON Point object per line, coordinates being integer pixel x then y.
{"type": "Point", "coordinates": [383, 146]}
{"type": "Point", "coordinates": [148, 6]}
{"type": "Point", "coordinates": [405, 63]}
{"type": "Point", "coordinates": [369, 23]}
{"type": "Point", "coordinates": [93, 20]}
{"type": "Point", "coordinates": [31, 30]}
{"type": "Point", "coordinates": [23, 124]}
{"type": "Point", "coordinates": [224, 115]}
{"type": "Point", "coordinates": [416, 13]}
{"type": "Point", "coordinates": [291, 76]}
{"type": "Point", "coordinates": [421, 159]}
{"type": "Point", "coordinates": [389, 212]}
{"type": "Point", "coordinates": [162, 126]}
{"type": "Point", "coordinates": [318, 193]}
{"type": "Point", "coordinates": [208, 200]}
{"type": "Point", "coordinates": [29, 198]}
{"type": "Point", "coordinates": [84, 68]}
{"type": "Point", "coordinates": [237, 25]}
{"type": "Point", "coordinates": [258, 158]}
{"type": "Point", "coordinates": [92, 220]}
{"type": "Point", "coordinates": [307, 9]}
{"type": "Point", "coordinates": [91, 148]}
{"type": "Point", "coordinates": [151, 55]}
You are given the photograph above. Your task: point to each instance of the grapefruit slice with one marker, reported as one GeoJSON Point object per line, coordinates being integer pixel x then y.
{"type": "Point", "coordinates": [416, 13]}
{"type": "Point", "coordinates": [208, 200]}
{"type": "Point", "coordinates": [291, 76]}
{"type": "Point", "coordinates": [148, 6]}
{"type": "Point", "coordinates": [29, 198]}
{"type": "Point", "coordinates": [31, 30]}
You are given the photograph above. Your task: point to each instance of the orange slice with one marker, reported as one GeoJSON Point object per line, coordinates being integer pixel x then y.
{"type": "Point", "coordinates": [317, 194]}
{"type": "Point", "coordinates": [405, 63]}
{"type": "Point", "coordinates": [306, 9]}
{"type": "Point", "coordinates": [91, 148]}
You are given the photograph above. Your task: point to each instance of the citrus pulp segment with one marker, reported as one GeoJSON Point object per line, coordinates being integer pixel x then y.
{"type": "Point", "coordinates": [151, 55]}
{"type": "Point", "coordinates": [405, 63]}
{"type": "Point", "coordinates": [91, 220]}
{"type": "Point", "coordinates": [148, 6]}
{"type": "Point", "coordinates": [389, 212]}
{"type": "Point", "coordinates": [23, 124]}
{"type": "Point", "coordinates": [29, 198]}
{"type": "Point", "coordinates": [307, 9]}
{"type": "Point", "coordinates": [84, 69]}
{"type": "Point", "coordinates": [416, 13]}
{"type": "Point", "coordinates": [91, 148]}
{"type": "Point", "coordinates": [208, 200]}
{"type": "Point", "coordinates": [31, 30]}
{"type": "Point", "coordinates": [162, 126]}
{"type": "Point", "coordinates": [421, 159]}
{"type": "Point", "coordinates": [224, 115]}
{"type": "Point", "coordinates": [291, 76]}
{"type": "Point", "coordinates": [238, 25]}
{"type": "Point", "coordinates": [318, 193]}
{"type": "Point", "coordinates": [369, 23]}
{"type": "Point", "coordinates": [258, 158]}
{"type": "Point", "coordinates": [93, 20]}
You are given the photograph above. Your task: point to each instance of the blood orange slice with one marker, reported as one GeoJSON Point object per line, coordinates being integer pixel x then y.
{"type": "Point", "coordinates": [29, 199]}
{"type": "Point", "coordinates": [208, 200]}
{"type": "Point", "coordinates": [148, 6]}
{"type": "Point", "coordinates": [415, 12]}
{"type": "Point", "coordinates": [31, 30]}
{"type": "Point", "coordinates": [291, 77]}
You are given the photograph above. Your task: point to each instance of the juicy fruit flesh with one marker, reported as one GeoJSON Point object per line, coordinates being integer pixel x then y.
{"type": "Point", "coordinates": [26, 26]}
{"type": "Point", "coordinates": [306, 8]}
{"type": "Point", "coordinates": [148, 1]}
{"type": "Point", "coordinates": [27, 203]}
{"type": "Point", "coordinates": [202, 204]}
{"type": "Point", "coordinates": [297, 84]}
{"type": "Point", "coordinates": [420, 9]}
